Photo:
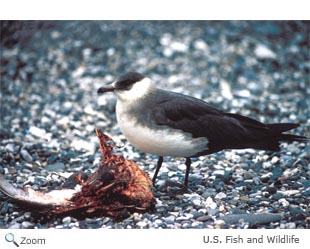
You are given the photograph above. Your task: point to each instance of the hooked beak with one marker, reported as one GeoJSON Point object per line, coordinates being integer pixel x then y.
{"type": "Point", "coordinates": [107, 88]}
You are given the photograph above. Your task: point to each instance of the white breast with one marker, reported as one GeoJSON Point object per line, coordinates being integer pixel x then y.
{"type": "Point", "coordinates": [162, 142]}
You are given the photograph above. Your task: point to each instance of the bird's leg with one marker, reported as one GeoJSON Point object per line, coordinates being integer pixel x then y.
{"type": "Point", "coordinates": [159, 163]}
{"type": "Point", "coordinates": [188, 163]}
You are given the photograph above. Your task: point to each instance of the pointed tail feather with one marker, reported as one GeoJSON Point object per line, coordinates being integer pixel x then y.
{"type": "Point", "coordinates": [272, 138]}
{"type": "Point", "coordinates": [292, 138]}
{"type": "Point", "coordinates": [278, 129]}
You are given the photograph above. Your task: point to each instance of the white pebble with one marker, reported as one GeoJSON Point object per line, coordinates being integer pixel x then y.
{"type": "Point", "coordinates": [37, 131]}
{"type": "Point", "coordinates": [200, 45]}
{"type": "Point", "coordinates": [220, 196]}
{"type": "Point", "coordinates": [209, 203]}
{"type": "Point", "coordinates": [66, 220]}
{"type": "Point", "coordinates": [263, 52]}
{"type": "Point", "coordinates": [284, 202]}
{"type": "Point", "coordinates": [274, 160]}
{"type": "Point", "coordinates": [141, 224]}
{"type": "Point", "coordinates": [179, 46]}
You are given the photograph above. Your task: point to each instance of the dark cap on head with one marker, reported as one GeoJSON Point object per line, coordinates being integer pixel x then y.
{"type": "Point", "coordinates": [124, 82]}
{"type": "Point", "coordinates": [127, 80]}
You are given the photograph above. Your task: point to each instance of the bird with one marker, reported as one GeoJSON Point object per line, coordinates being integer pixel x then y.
{"type": "Point", "coordinates": [165, 123]}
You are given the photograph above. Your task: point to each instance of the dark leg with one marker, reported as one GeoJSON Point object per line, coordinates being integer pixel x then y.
{"type": "Point", "coordinates": [159, 163]}
{"type": "Point", "coordinates": [188, 166]}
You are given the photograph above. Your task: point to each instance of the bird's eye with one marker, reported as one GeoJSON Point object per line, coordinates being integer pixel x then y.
{"type": "Point", "coordinates": [124, 85]}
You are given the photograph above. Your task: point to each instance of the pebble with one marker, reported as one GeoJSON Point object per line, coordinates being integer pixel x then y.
{"type": "Point", "coordinates": [209, 192]}
{"type": "Point", "coordinates": [289, 192]}
{"type": "Point", "coordinates": [266, 176]}
{"type": "Point", "coordinates": [275, 159]}
{"type": "Point", "coordinates": [27, 225]}
{"type": "Point", "coordinates": [15, 226]}
{"type": "Point", "coordinates": [27, 215]}
{"type": "Point", "coordinates": [218, 172]}
{"type": "Point", "coordinates": [252, 219]}
{"type": "Point", "coordinates": [26, 156]}
{"type": "Point", "coordinates": [40, 133]}
{"type": "Point", "coordinates": [209, 203]}
{"type": "Point", "coordinates": [67, 220]}
{"type": "Point", "coordinates": [170, 219]}
{"type": "Point", "coordinates": [220, 196]}
{"type": "Point", "coordinates": [284, 202]}
{"type": "Point", "coordinates": [263, 52]}
{"type": "Point", "coordinates": [201, 45]}
{"type": "Point", "coordinates": [204, 218]}
{"type": "Point", "coordinates": [58, 166]}
{"type": "Point", "coordinates": [141, 224]}
{"type": "Point", "coordinates": [81, 145]}
{"type": "Point", "coordinates": [4, 208]}
{"type": "Point", "coordinates": [10, 148]}
{"type": "Point", "coordinates": [213, 211]}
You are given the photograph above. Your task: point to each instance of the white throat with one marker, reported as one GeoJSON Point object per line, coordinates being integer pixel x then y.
{"type": "Point", "coordinates": [138, 90]}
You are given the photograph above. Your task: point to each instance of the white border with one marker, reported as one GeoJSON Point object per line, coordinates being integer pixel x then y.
{"type": "Point", "coordinates": [159, 238]}
{"type": "Point", "coordinates": [155, 10]}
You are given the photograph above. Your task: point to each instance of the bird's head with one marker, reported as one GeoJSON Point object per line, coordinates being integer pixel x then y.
{"type": "Point", "coordinates": [128, 87]}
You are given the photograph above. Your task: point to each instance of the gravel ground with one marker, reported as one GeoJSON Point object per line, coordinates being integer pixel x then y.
{"type": "Point", "coordinates": [50, 73]}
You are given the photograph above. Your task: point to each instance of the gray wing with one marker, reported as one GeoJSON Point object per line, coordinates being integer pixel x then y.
{"type": "Point", "coordinates": [223, 130]}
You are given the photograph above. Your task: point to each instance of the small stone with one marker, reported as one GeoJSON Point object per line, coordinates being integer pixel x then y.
{"type": "Point", "coordinates": [220, 196]}
{"type": "Point", "coordinates": [218, 172]}
{"type": "Point", "coordinates": [182, 167]}
{"type": "Point", "coordinates": [55, 166]}
{"type": "Point", "coordinates": [247, 175]}
{"type": "Point", "coordinates": [266, 176]}
{"type": "Point", "coordinates": [10, 147]}
{"type": "Point", "coordinates": [83, 145]}
{"type": "Point", "coordinates": [204, 218]}
{"type": "Point", "coordinates": [267, 165]}
{"type": "Point", "coordinates": [170, 219]}
{"type": "Point", "coordinates": [253, 219]}
{"type": "Point", "coordinates": [64, 121]}
{"type": "Point", "coordinates": [90, 111]}
{"type": "Point", "coordinates": [290, 225]}
{"type": "Point", "coordinates": [208, 193]}
{"type": "Point", "coordinates": [26, 156]}
{"type": "Point", "coordinates": [141, 224]}
{"type": "Point", "coordinates": [185, 225]}
{"type": "Point", "coordinates": [200, 45]}
{"type": "Point", "coordinates": [209, 203]}
{"type": "Point", "coordinates": [219, 223]}
{"type": "Point", "coordinates": [274, 160]}
{"type": "Point", "coordinates": [297, 213]}
{"type": "Point", "coordinates": [244, 93]}
{"type": "Point", "coordinates": [213, 211]}
{"type": "Point", "coordinates": [66, 220]}
{"type": "Point", "coordinates": [197, 202]}
{"type": "Point", "coordinates": [271, 190]}
{"type": "Point", "coordinates": [158, 222]}
{"type": "Point", "coordinates": [284, 202]}
{"type": "Point", "coordinates": [4, 208]}
{"type": "Point", "coordinates": [263, 52]}
{"type": "Point", "coordinates": [40, 133]}
{"type": "Point", "coordinates": [15, 226]}
{"type": "Point", "coordinates": [110, 52]}
{"type": "Point", "coordinates": [27, 225]}
{"type": "Point", "coordinates": [178, 46]}
{"type": "Point", "coordinates": [289, 192]}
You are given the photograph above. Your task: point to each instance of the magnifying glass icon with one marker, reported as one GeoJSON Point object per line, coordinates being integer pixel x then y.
{"type": "Point", "coordinates": [9, 237]}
